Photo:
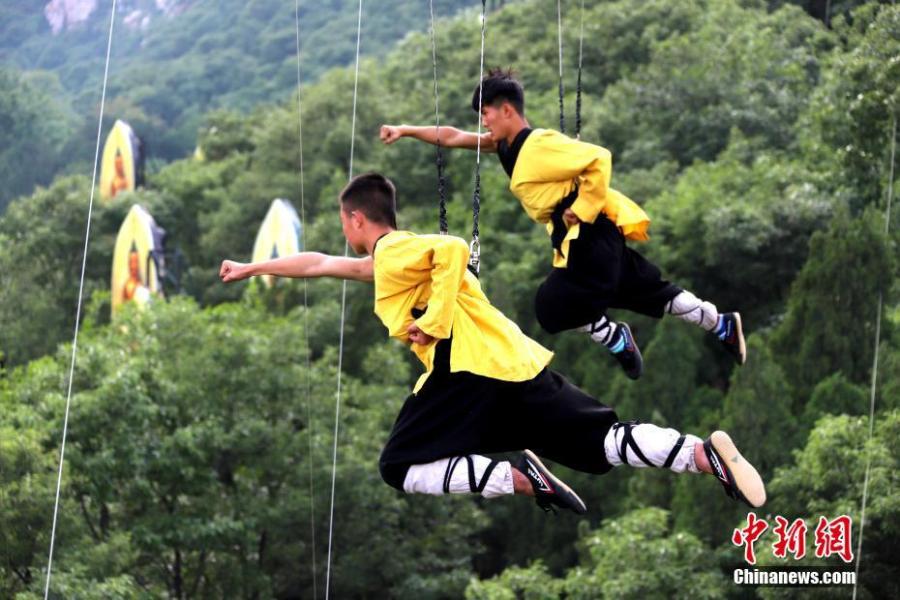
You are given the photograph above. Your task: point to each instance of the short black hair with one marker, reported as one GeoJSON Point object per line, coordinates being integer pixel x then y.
{"type": "Point", "coordinates": [374, 195]}
{"type": "Point", "coordinates": [500, 86]}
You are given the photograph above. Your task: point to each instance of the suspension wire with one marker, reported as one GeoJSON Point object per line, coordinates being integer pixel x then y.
{"type": "Point", "coordinates": [887, 230]}
{"type": "Point", "coordinates": [475, 246]}
{"type": "Point", "coordinates": [87, 237]}
{"type": "Point", "coordinates": [337, 404]}
{"type": "Point", "coordinates": [442, 194]}
{"type": "Point", "coordinates": [562, 116]}
{"type": "Point", "coordinates": [309, 429]}
{"type": "Point", "coordinates": [578, 85]}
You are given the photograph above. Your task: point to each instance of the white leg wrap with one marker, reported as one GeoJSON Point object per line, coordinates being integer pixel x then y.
{"type": "Point", "coordinates": [646, 445]}
{"type": "Point", "coordinates": [692, 309]}
{"type": "Point", "coordinates": [460, 475]}
{"type": "Point", "coordinates": [601, 332]}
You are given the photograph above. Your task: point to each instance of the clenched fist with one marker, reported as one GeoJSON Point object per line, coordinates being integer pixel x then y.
{"type": "Point", "coordinates": [417, 336]}
{"type": "Point", "coordinates": [390, 134]}
{"type": "Point", "coordinates": [233, 271]}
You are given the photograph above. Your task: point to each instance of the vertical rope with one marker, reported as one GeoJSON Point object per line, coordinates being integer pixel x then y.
{"type": "Point", "coordinates": [442, 211]}
{"type": "Point", "coordinates": [887, 230]}
{"type": "Point", "coordinates": [337, 404]}
{"type": "Point", "coordinates": [887, 219]}
{"type": "Point", "coordinates": [87, 237]}
{"type": "Point", "coordinates": [475, 246]}
{"type": "Point", "coordinates": [578, 85]}
{"type": "Point", "coordinates": [562, 116]}
{"type": "Point", "coordinates": [309, 430]}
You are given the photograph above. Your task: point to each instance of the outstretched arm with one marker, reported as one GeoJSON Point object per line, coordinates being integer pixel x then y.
{"type": "Point", "coordinates": [450, 137]}
{"type": "Point", "coordinates": [302, 265]}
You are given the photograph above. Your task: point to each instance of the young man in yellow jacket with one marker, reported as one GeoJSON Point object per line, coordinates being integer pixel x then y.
{"type": "Point", "coordinates": [486, 386]}
{"type": "Point", "coordinates": [563, 183]}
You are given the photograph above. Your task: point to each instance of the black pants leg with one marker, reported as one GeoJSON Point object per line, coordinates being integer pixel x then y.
{"type": "Point", "coordinates": [602, 273]}
{"type": "Point", "coordinates": [457, 414]}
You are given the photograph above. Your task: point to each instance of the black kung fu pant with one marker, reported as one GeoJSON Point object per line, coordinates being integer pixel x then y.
{"type": "Point", "coordinates": [456, 414]}
{"type": "Point", "coordinates": [602, 272]}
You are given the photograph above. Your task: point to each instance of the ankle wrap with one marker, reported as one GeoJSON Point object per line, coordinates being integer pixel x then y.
{"type": "Point", "coordinates": [475, 488]}
{"type": "Point", "coordinates": [602, 331]}
{"type": "Point", "coordinates": [690, 308]}
{"type": "Point", "coordinates": [481, 475]}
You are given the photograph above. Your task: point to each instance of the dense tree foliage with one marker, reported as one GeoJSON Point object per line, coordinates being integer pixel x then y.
{"type": "Point", "coordinates": [757, 138]}
{"type": "Point", "coordinates": [607, 570]}
{"type": "Point", "coordinates": [165, 76]}
{"type": "Point", "coordinates": [33, 130]}
{"type": "Point", "coordinates": [201, 483]}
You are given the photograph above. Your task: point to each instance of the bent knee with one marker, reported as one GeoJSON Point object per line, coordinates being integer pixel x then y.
{"type": "Point", "coordinates": [547, 311]}
{"type": "Point", "coordinates": [393, 474]}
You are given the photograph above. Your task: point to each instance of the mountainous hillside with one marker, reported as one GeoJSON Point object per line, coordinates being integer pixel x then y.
{"type": "Point", "coordinates": [759, 140]}
{"type": "Point", "coordinates": [172, 61]}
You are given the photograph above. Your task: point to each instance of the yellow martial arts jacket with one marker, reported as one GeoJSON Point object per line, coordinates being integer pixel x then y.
{"type": "Point", "coordinates": [549, 166]}
{"type": "Point", "coordinates": [428, 272]}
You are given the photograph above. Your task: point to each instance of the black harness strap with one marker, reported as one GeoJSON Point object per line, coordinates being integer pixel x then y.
{"type": "Point", "coordinates": [578, 106]}
{"type": "Point", "coordinates": [442, 193]}
{"type": "Point", "coordinates": [559, 223]}
{"type": "Point", "coordinates": [628, 441]}
{"type": "Point", "coordinates": [476, 486]}
{"type": "Point", "coordinates": [477, 489]}
{"type": "Point", "coordinates": [449, 472]}
{"type": "Point", "coordinates": [578, 86]}
{"type": "Point", "coordinates": [562, 112]}
{"type": "Point", "coordinates": [671, 458]}
{"type": "Point", "coordinates": [442, 196]}
{"type": "Point", "coordinates": [475, 246]}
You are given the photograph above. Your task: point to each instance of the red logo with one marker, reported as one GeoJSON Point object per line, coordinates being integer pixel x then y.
{"type": "Point", "coordinates": [791, 539]}
{"type": "Point", "coordinates": [748, 535]}
{"type": "Point", "coordinates": [833, 537]}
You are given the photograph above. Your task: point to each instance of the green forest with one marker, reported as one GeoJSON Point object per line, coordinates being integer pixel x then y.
{"type": "Point", "coordinates": [759, 137]}
{"type": "Point", "coordinates": [164, 79]}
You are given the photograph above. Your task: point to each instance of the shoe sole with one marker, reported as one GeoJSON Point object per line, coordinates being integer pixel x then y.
{"type": "Point", "coordinates": [742, 346]}
{"type": "Point", "coordinates": [637, 351]}
{"type": "Point", "coordinates": [746, 479]}
{"type": "Point", "coordinates": [557, 483]}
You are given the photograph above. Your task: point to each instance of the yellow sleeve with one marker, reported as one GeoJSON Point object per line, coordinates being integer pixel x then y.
{"type": "Point", "coordinates": [449, 258]}
{"type": "Point", "coordinates": [560, 158]}
{"type": "Point", "coordinates": [593, 185]}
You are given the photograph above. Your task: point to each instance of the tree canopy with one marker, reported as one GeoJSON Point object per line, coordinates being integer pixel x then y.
{"type": "Point", "coordinates": [756, 137]}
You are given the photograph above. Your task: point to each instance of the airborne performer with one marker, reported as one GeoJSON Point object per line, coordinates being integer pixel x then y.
{"type": "Point", "coordinates": [564, 184]}
{"type": "Point", "coordinates": [486, 386]}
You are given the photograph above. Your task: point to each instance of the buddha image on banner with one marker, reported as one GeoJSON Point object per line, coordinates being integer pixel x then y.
{"type": "Point", "coordinates": [134, 272]}
{"type": "Point", "coordinates": [122, 165]}
{"type": "Point", "coordinates": [279, 235]}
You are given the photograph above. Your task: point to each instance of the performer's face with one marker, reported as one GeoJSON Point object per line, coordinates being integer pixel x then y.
{"type": "Point", "coordinates": [352, 226]}
{"type": "Point", "coordinates": [492, 120]}
{"type": "Point", "coordinates": [500, 120]}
